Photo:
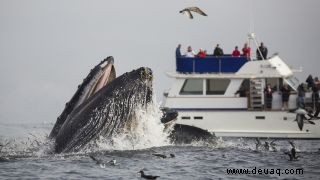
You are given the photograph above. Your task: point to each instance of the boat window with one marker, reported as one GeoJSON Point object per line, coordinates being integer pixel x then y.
{"type": "Point", "coordinates": [274, 82]}
{"type": "Point", "coordinates": [192, 86]}
{"type": "Point", "coordinates": [217, 86]}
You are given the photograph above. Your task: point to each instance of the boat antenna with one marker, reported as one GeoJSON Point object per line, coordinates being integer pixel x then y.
{"type": "Point", "coordinates": [251, 34]}
{"type": "Point", "coordinates": [251, 26]}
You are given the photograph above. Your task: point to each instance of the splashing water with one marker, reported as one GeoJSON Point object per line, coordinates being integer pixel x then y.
{"type": "Point", "coordinates": [148, 131]}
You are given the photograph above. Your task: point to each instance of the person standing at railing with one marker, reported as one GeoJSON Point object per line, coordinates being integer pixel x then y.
{"type": "Point", "coordinates": [246, 50]}
{"type": "Point", "coordinates": [201, 53]}
{"type": "Point", "coordinates": [178, 51]}
{"type": "Point", "coordinates": [268, 96]}
{"type": "Point", "coordinates": [301, 95]}
{"type": "Point", "coordinates": [262, 52]}
{"type": "Point", "coordinates": [190, 53]}
{"type": "Point", "coordinates": [315, 95]}
{"type": "Point", "coordinates": [236, 52]}
{"type": "Point", "coordinates": [285, 93]}
{"type": "Point", "coordinates": [218, 51]}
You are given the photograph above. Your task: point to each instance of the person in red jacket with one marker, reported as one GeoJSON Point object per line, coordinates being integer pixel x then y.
{"type": "Point", "coordinates": [236, 52]}
{"type": "Point", "coordinates": [201, 53]}
{"type": "Point", "coordinates": [246, 50]}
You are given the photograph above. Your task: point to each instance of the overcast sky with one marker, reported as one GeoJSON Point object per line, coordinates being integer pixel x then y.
{"type": "Point", "coordinates": [48, 47]}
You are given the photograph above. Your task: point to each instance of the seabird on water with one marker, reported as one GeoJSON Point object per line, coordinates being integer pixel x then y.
{"type": "Point", "coordinates": [273, 146]}
{"type": "Point", "coordinates": [192, 9]}
{"type": "Point", "coordinates": [112, 162]}
{"type": "Point", "coordinates": [147, 176]}
{"type": "Point", "coordinates": [164, 156]}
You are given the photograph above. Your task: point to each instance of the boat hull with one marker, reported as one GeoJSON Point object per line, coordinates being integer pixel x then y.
{"type": "Point", "coordinates": [241, 123]}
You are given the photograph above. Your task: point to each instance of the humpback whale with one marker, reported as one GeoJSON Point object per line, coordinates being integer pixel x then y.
{"type": "Point", "coordinates": [104, 105]}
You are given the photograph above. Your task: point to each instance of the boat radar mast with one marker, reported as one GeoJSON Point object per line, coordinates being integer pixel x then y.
{"type": "Point", "coordinates": [252, 37]}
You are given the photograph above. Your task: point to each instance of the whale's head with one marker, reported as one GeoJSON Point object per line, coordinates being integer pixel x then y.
{"type": "Point", "coordinates": [100, 76]}
{"type": "Point", "coordinates": [107, 110]}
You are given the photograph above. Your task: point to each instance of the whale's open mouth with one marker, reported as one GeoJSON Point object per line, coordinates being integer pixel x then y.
{"type": "Point", "coordinates": [108, 74]}
{"type": "Point", "coordinates": [99, 77]}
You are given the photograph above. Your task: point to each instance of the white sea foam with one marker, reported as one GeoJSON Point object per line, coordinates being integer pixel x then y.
{"type": "Point", "coordinates": [147, 131]}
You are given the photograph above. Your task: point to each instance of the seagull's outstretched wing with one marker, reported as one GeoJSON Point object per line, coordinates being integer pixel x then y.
{"type": "Point", "coordinates": [187, 12]}
{"type": "Point", "coordinates": [292, 144]}
{"type": "Point", "coordinates": [300, 118]}
{"type": "Point", "coordinates": [197, 10]}
{"type": "Point", "coordinates": [98, 161]}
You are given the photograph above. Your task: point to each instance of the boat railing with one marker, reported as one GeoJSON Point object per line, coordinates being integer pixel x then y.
{"type": "Point", "coordinates": [210, 64]}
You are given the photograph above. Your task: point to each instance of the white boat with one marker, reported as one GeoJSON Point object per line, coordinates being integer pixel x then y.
{"type": "Point", "coordinates": [204, 90]}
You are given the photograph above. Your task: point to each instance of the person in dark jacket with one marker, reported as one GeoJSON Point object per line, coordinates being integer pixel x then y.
{"type": "Point", "coordinates": [268, 96]}
{"type": "Point", "coordinates": [262, 52]}
{"type": "Point", "coordinates": [178, 51]}
{"type": "Point", "coordinates": [313, 84]}
{"type": "Point", "coordinates": [310, 81]}
{"type": "Point", "coordinates": [301, 95]}
{"type": "Point", "coordinates": [285, 92]}
{"type": "Point", "coordinates": [218, 51]}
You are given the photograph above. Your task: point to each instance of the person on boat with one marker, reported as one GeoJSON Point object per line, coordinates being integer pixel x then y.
{"type": "Point", "coordinates": [268, 96]}
{"type": "Point", "coordinates": [262, 52]}
{"type": "Point", "coordinates": [301, 95]}
{"type": "Point", "coordinates": [201, 53]}
{"type": "Point", "coordinates": [310, 82]}
{"type": "Point", "coordinates": [242, 92]}
{"type": "Point", "coordinates": [190, 53]}
{"type": "Point", "coordinates": [314, 85]}
{"type": "Point", "coordinates": [317, 83]}
{"type": "Point", "coordinates": [315, 96]}
{"type": "Point", "coordinates": [285, 93]}
{"type": "Point", "coordinates": [236, 52]}
{"type": "Point", "coordinates": [246, 50]}
{"type": "Point", "coordinates": [218, 51]}
{"type": "Point", "coordinates": [178, 51]}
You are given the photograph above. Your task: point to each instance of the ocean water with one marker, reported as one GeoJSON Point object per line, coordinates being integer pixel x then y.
{"type": "Point", "coordinates": [26, 153]}
{"type": "Point", "coordinates": [29, 157]}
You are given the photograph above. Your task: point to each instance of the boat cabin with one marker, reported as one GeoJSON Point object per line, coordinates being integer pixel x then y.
{"type": "Point", "coordinates": [229, 83]}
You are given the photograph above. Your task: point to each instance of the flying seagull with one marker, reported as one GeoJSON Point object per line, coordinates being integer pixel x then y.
{"type": "Point", "coordinates": [193, 9]}
{"type": "Point", "coordinates": [292, 153]}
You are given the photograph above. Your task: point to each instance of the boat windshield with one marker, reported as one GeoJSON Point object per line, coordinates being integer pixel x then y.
{"type": "Point", "coordinates": [293, 82]}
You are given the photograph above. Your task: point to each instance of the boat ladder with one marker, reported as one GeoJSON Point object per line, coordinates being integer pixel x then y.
{"type": "Point", "coordinates": [256, 94]}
